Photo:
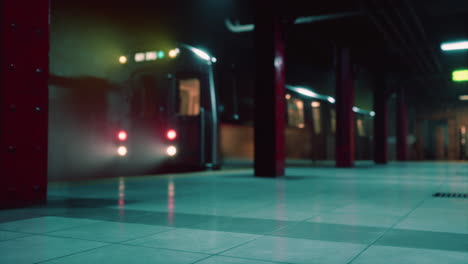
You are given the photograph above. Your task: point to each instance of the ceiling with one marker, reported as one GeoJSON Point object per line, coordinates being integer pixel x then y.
{"type": "Point", "coordinates": [398, 37]}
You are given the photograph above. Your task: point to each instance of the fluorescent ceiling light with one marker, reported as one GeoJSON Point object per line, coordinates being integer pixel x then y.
{"type": "Point", "coordinates": [459, 45]}
{"type": "Point", "coordinates": [463, 97]}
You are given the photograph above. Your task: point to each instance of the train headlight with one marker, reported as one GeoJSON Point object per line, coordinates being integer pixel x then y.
{"type": "Point", "coordinates": [122, 59]}
{"type": "Point", "coordinates": [122, 135]}
{"type": "Point", "coordinates": [122, 151]}
{"type": "Point", "coordinates": [171, 134]}
{"type": "Point", "coordinates": [171, 151]}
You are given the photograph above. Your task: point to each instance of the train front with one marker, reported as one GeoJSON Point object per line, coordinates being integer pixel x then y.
{"type": "Point", "coordinates": [172, 120]}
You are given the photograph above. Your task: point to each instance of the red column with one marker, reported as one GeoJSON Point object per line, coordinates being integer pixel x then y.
{"type": "Point", "coordinates": [344, 109]}
{"type": "Point", "coordinates": [24, 101]}
{"type": "Point", "coordinates": [402, 127]}
{"type": "Point", "coordinates": [269, 91]}
{"type": "Point", "coordinates": [380, 123]}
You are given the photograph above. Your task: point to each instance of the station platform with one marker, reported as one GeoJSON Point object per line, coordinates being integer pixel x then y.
{"type": "Point", "coordinates": [396, 213]}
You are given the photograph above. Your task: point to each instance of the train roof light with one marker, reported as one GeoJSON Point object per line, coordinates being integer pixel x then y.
{"type": "Point", "coordinates": [151, 55]}
{"type": "Point", "coordinates": [306, 92]}
{"type": "Point", "coordinates": [122, 59]}
{"type": "Point", "coordinates": [139, 57]}
{"type": "Point", "coordinates": [457, 45]}
{"type": "Point", "coordinates": [460, 76]}
{"type": "Point", "coordinates": [201, 54]}
{"type": "Point", "coordinates": [161, 54]}
{"type": "Point", "coordinates": [173, 53]}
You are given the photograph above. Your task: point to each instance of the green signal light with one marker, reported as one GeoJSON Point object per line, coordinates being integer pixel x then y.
{"type": "Point", "coordinates": [160, 54]}
{"type": "Point", "coordinates": [460, 76]}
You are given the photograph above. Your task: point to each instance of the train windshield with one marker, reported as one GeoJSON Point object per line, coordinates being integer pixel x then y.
{"type": "Point", "coordinates": [149, 96]}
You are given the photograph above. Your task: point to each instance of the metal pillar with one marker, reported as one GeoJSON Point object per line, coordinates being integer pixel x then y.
{"type": "Point", "coordinates": [23, 101]}
{"type": "Point", "coordinates": [380, 123]}
{"type": "Point", "coordinates": [269, 91]}
{"type": "Point", "coordinates": [402, 127]}
{"type": "Point", "coordinates": [344, 109]}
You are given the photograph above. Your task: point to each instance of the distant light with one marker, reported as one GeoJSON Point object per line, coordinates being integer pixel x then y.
{"type": "Point", "coordinates": [463, 97]}
{"type": "Point", "coordinates": [331, 99]}
{"type": "Point", "coordinates": [201, 54]}
{"type": "Point", "coordinates": [160, 54]}
{"type": "Point", "coordinates": [151, 55]}
{"type": "Point", "coordinates": [287, 96]}
{"type": "Point", "coordinates": [171, 134]}
{"type": "Point", "coordinates": [300, 125]}
{"type": "Point", "coordinates": [315, 104]}
{"type": "Point", "coordinates": [306, 92]}
{"type": "Point", "coordinates": [123, 59]}
{"type": "Point", "coordinates": [122, 151]}
{"type": "Point", "coordinates": [458, 45]}
{"type": "Point", "coordinates": [173, 53]}
{"type": "Point", "coordinates": [139, 57]}
{"type": "Point", "coordinates": [372, 113]}
{"type": "Point", "coordinates": [171, 151]}
{"type": "Point", "coordinates": [122, 135]}
{"type": "Point", "coordinates": [214, 60]}
{"type": "Point", "coordinates": [463, 130]}
{"type": "Point", "coordinates": [355, 109]}
{"type": "Point", "coordinates": [460, 76]}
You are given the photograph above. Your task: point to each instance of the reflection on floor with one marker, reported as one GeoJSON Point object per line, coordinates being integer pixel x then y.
{"type": "Point", "coordinates": [370, 214]}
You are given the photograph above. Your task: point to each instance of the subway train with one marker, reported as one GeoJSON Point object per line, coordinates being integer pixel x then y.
{"type": "Point", "coordinates": [158, 111]}
{"type": "Point", "coordinates": [310, 129]}
{"type": "Point", "coordinates": [161, 113]}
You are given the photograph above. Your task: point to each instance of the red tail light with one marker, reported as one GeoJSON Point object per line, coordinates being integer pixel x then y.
{"type": "Point", "coordinates": [171, 134]}
{"type": "Point", "coordinates": [122, 135]}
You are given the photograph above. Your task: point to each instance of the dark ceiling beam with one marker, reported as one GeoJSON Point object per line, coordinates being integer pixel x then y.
{"type": "Point", "coordinates": [402, 39]}
{"type": "Point", "coordinates": [430, 65]}
{"type": "Point", "coordinates": [393, 44]}
{"type": "Point", "coordinates": [422, 31]}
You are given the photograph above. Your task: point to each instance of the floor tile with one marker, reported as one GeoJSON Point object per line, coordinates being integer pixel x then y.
{"type": "Point", "coordinates": [368, 219]}
{"type": "Point", "coordinates": [293, 250]}
{"type": "Point", "coordinates": [39, 248]}
{"type": "Point", "coordinates": [376, 208]}
{"type": "Point", "coordinates": [332, 232]}
{"type": "Point", "coordinates": [230, 260]}
{"type": "Point", "coordinates": [398, 255]}
{"type": "Point", "coordinates": [110, 231]}
{"type": "Point", "coordinates": [172, 219]}
{"type": "Point", "coordinates": [243, 225]}
{"type": "Point", "coordinates": [44, 224]}
{"type": "Point", "coordinates": [425, 239]}
{"type": "Point", "coordinates": [7, 235]}
{"type": "Point", "coordinates": [194, 240]}
{"type": "Point", "coordinates": [124, 254]}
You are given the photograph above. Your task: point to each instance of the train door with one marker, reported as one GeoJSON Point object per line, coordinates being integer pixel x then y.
{"type": "Point", "coordinates": [191, 120]}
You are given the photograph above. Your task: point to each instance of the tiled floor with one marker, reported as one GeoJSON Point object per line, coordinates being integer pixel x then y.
{"type": "Point", "coordinates": [370, 214]}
